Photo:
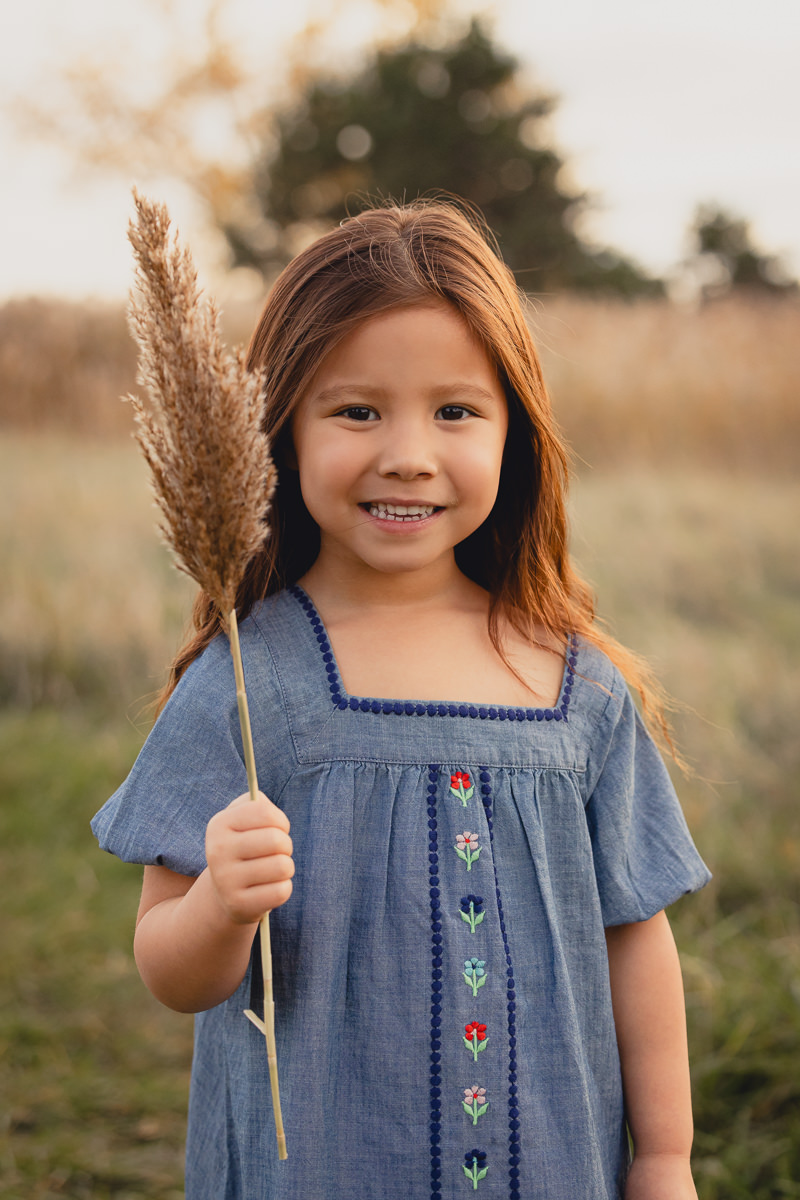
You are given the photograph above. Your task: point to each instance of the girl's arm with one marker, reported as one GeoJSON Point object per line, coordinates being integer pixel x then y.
{"type": "Point", "coordinates": [647, 995]}
{"type": "Point", "coordinates": [193, 936]}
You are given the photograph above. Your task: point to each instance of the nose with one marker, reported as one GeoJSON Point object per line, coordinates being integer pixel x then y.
{"type": "Point", "coordinates": [407, 451]}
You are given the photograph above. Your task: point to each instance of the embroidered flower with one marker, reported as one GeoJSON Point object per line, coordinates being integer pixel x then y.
{"type": "Point", "coordinates": [475, 974]}
{"type": "Point", "coordinates": [467, 847]}
{"type": "Point", "coordinates": [474, 1166]}
{"type": "Point", "coordinates": [475, 1103]}
{"type": "Point", "coordinates": [472, 910]}
{"type": "Point", "coordinates": [476, 1038]}
{"type": "Point", "coordinates": [461, 786]}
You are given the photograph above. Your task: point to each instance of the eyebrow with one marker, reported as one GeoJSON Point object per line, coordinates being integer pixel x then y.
{"type": "Point", "coordinates": [342, 391]}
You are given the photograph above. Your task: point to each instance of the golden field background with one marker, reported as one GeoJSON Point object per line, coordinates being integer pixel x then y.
{"type": "Point", "coordinates": [685, 511]}
{"type": "Point", "coordinates": [647, 381]}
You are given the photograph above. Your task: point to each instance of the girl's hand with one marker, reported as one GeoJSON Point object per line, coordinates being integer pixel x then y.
{"type": "Point", "coordinates": [249, 855]}
{"type": "Point", "coordinates": [660, 1177]}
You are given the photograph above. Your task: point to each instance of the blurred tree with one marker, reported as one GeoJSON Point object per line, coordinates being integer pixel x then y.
{"type": "Point", "coordinates": [147, 112]}
{"type": "Point", "coordinates": [415, 119]}
{"type": "Point", "coordinates": [726, 257]}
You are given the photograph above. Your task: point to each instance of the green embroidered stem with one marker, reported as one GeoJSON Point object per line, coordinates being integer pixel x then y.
{"type": "Point", "coordinates": [474, 1045]}
{"type": "Point", "coordinates": [471, 919]}
{"type": "Point", "coordinates": [469, 858]}
{"type": "Point", "coordinates": [473, 1111]}
{"type": "Point", "coordinates": [474, 1174]}
{"type": "Point", "coordinates": [475, 981]}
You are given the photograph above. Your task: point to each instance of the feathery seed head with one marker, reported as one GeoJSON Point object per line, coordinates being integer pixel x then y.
{"type": "Point", "coordinates": [202, 432]}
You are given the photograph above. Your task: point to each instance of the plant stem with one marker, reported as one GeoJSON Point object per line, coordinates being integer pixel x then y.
{"type": "Point", "coordinates": [263, 925]}
{"type": "Point", "coordinates": [244, 711]}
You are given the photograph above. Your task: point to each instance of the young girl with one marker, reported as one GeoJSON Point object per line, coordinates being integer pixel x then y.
{"type": "Point", "coordinates": [476, 986]}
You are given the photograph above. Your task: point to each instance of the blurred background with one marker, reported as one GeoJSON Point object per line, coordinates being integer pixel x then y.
{"type": "Point", "coordinates": [640, 167]}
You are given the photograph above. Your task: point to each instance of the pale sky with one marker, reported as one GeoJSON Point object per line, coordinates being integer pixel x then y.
{"type": "Point", "coordinates": [661, 106]}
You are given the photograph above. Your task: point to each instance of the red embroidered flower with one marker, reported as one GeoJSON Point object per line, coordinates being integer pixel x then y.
{"type": "Point", "coordinates": [478, 1030]}
{"type": "Point", "coordinates": [475, 1041]}
{"type": "Point", "coordinates": [461, 786]}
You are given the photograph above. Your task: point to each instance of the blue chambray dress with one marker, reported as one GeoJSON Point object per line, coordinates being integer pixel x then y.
{"type": "Point", "coordinates": [444, 1021]}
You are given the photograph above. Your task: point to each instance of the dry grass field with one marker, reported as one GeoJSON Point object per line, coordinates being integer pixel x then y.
{"type": "Point", "coordinates": [685, 512]}
{"type": "Point", "coordinates": [644, 382]}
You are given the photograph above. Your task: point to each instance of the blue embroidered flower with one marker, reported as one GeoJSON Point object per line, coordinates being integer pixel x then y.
{"type": "Point", "coordinates": [475, 1103]}
{"type": "Point", "coordinates": [467, 847]}
{"type": "Point", "coordinates": [472, 910]}
{"type": "Point", "coordinates": [474, 1166]}
{"type": "Point", "coordinates": [475, 974]}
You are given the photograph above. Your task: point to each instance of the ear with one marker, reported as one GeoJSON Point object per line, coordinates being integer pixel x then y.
{"type": "Point", "coordinates": [290, 457]}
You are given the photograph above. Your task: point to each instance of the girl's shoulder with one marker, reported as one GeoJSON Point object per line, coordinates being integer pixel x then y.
{"type": "Point", "coordinates": [594, 684]}
{"type": "Point", "coordinates": [606, 720]}
{"type": "Point", "coordinates": [267, 627]}
{"type": "Point", "coordinates": [595, 668]}
{"type": "Point", "coordinates": [599, 698]}
{"type": "Point", "coordinates": [205, 695]}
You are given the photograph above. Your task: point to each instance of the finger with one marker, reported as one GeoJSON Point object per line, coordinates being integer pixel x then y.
{"type": "Point", "coordinates": [260, 900]}
{"type": "Point", "coordinates": [259, 871]}
{"type": "Point", "coordinates": [255, 814]}
{"type": "Point", "coordinates": [262, 843]}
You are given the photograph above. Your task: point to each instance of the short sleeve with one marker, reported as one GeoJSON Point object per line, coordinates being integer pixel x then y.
{"type": "Point", "coordinates": [192, 763]}
{"type": "Point", "coordinates": [644, 856]}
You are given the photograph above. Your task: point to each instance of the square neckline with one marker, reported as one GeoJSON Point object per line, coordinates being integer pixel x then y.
{"type": "Point", "coordinates": [342, 700]}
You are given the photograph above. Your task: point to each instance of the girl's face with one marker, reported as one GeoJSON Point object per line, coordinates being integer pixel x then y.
{"type": "Point", "coordinates": [399, 442]}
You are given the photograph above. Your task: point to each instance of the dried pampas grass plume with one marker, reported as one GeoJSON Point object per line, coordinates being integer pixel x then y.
{"type": "Point", "coordinates": [212, 474]}
{"type": "Point", "coordinates": [202, 434]}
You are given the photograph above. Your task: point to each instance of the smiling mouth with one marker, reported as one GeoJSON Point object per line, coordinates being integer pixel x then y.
{"type": "Point", "coordinates": [405, 513]}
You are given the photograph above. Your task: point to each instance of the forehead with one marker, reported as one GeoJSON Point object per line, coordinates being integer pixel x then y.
{"type": "Point", "coordinates": [427, 344]}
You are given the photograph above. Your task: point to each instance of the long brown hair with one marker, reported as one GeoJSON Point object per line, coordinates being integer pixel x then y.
{"type": "Point", "coordinates": [384, 258]}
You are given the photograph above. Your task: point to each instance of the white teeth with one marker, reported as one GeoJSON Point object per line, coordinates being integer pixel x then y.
{"type": "Point", "coordinates": [401, 512]}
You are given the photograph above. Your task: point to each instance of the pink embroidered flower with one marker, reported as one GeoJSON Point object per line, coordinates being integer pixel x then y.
{"type": "Point", "coordinates": [475, 1103]}
{"type": "Point", "coordinates": [467, 847]}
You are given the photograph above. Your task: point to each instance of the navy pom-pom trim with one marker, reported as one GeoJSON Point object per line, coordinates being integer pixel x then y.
{"type": "Point", "coordinates": [408, 708]}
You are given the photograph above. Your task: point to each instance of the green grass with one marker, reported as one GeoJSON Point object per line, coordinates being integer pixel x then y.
{"type": "Point", "coordinates": [94, 1071]}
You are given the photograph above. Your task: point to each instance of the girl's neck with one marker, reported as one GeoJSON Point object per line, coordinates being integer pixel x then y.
{"type": "Point", "coordinates": [340, 593]}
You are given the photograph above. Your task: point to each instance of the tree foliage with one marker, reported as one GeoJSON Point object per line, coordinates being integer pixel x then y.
{"type": "Point", "coordinates": [725, 251]}
{"type": "Point", "coordinates": [417, 119]}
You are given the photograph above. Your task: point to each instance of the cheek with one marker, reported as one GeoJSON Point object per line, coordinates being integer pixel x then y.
{"type": "Point", "coordinates": [478, 469]}
{"type": "Point", "coordinates": [327, 471]}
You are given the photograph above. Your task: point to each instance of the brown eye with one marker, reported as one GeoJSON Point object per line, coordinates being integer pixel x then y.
{"type": "Point", "coordinates": [453, 412]}
{"type": "Point", "coordinates": [359, 413]}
